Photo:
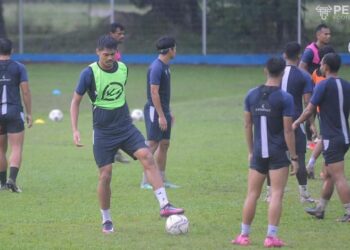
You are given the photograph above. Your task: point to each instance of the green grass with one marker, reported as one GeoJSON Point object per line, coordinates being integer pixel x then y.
{"type": "Point", "coordinates": [58, 208]}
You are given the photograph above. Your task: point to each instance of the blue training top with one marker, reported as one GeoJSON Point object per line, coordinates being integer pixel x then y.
{"type": "Point", "coordinates": [296, 82]}
{"type": "Point", "coordinates": [159, 74]}
{"type": "Point", "coordinates": [333, 97]}
{"type": "Point", "coordinates": [268, 105]}
{"type": "Point", "coordinates": [12, 74]}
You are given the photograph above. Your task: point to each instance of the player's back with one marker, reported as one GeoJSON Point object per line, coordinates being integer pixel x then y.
{"type": "Point", "coordinates": [296, 83]}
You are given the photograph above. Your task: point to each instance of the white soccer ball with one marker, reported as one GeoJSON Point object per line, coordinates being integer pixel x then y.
{"type": "Point", "coordinates": [56, 115]}
{"type": "Point", "coordinates": [349, 47]}
{"type": "Point", "coordinates": [137, 115]}
{"type": "Point", "coordinates": [177, 224]}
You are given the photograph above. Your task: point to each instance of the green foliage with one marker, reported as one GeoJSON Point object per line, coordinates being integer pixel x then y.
{"type": "Point", "coordinates": [58, 208]}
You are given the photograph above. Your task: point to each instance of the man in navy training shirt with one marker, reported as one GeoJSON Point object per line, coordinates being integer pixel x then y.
{"type": "Point", "coordinates": [269, 110]}
{"type": "Point", "coordinates": [13, 85]}
{"type": "Point", "coordinates": [298, 83]}
{"type": "Point", "coordinates": [104, 81]}
{"type": "Point", "coordinates": [332, 95]}
{"type": "Point", "coordinates": [158, 115]}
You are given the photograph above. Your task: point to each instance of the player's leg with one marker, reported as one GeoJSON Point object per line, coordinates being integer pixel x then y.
{"type": "Point", "coordinates": [3, 161]}
{"type": "Point", "coordinates": [160, 157]}
{"type": "Point", "coordinates": [15, 159]}
{"type": "Point", "coordinates": [255, 183]}
{"type": "Point", "coordinates": [256, 177]}
{"type": "Point", "coordinates": [302, 180]}
{"type": "Point", "coordinates": [104, 197]}
{"type": "Point", "coordinates": [326, 194]}
{"type": "Point", "coordinates": [278, 179]}
{"type": "Point", "coordinates": [153, 145]}
{"type": "Point", "coordinates": [313, 158]}
{"type": "Point", "coordinates": [152, 173]}
{"type": "Point", "coordinates": [337, 172]}
{"type": "Point", "coordinates": [135, 146]}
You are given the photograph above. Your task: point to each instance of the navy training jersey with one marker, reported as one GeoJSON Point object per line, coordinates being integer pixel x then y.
{"type": "Point", "coordinates": [296, 82]}
{"type": "Point", "coordinates": [159, 74]}
{"type": "Point", "coordinates": [268, 105]}
{"type": "Point", "coordinates": [12, 74]}
{"type": "Point", "coordinates": [115, 121]}
{"type": "Point", "coordinates": [307, 57]}
{"type": "Point", "coordinates": [332, 95]}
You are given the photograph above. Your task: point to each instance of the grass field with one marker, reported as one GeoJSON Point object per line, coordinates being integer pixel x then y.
{"type": "Point", "coordinates": [58, 208]}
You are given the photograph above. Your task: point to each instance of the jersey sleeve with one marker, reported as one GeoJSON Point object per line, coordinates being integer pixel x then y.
{"type": "Point", "coordinates": [22, 72]}
{"type": "Point", "coordinates": [307, 56]}
{"type": "Point", "coordinates": [85, 81]}
{"type": "Point", "coordinates": [155, 74]}
{"type": "Point", "coordinates": [308, 88]}
{"type": "Point", "coordinates": [318, 94]}
{"type": "Point", "coordinates": [288, 108]}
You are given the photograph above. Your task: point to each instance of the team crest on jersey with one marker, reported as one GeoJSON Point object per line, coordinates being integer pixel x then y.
{"type": "Point", "coordinates": [112, 91]}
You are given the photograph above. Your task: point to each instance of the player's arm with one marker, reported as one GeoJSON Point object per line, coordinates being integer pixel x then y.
{"type": "Point", "coordinates": [27, 100]}
{"type": "Point", "coordinates": [303, 66]}
{"type": "Point", "coordinates": [306, 59]}
{"type": "Point", "coordinates": [74, 114]}
{"type": "Point", "coordinates": [158, 106]}
{"type": "Point", "coordinates": [307, 97]}
{"type": "Point", "coordinates": [248, 127]}
{"type": "Point", "coordinates": [289, 137]}
{"type": "Point", "coordinates": [307, 113]}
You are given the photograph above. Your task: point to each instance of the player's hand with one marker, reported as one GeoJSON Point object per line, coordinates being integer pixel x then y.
{"type": "Point", "coordinates": [294, 168]}
{"type": "Point", "coordinates": [76, 139]}
{"type": "Point", "coordinates": [163, 124]}
{"type": "Point", "coordinates": [295, 125]}
{"type": "Point", "coordinates": [250, 156]}
{"type": "Point", "coordinates": [29, 120]}
{"type": "Point", "coordinates": [313, 129]}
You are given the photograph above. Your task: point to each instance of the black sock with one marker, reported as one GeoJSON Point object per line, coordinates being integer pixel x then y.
{"type": "Point", "coordinates": [3, 176]}
{"type": "Point", "coordinates": [13, 173]}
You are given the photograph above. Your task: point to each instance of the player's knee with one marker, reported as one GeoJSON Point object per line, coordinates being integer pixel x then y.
{"type": "Point", "coordinates": [164, 145]}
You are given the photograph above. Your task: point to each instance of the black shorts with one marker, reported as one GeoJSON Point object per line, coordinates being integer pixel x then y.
{"type": "Point", "coordinates": [334, 150]}
{"type": "Point", "coordinates": [106, 146]}
{"type": "Point", "coordinates": [276, 161]}
{"type": "Point", "coordinates": [11, 123]}
{"type": "Point", "coordinates": [154, 133]}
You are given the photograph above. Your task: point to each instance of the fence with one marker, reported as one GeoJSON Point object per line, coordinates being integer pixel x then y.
{"type": "Point", "coordinates": [231, 26]}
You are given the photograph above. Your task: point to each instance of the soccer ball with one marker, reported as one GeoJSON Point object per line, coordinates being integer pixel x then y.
{"type": "Point", "coordinates": [137, 115]}
{"type": "Point", "coordinates": [177, 224]}
{"type": "Point", "coordinates": [56, 115]}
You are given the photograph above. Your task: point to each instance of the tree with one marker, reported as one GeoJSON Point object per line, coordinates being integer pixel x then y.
{"type": "Point", "coordinates": [186, 13]}
{"type": "Point", "coordinates": [2, 21]}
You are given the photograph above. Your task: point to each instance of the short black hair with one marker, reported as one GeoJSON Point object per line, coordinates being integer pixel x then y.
{"type": "Point", "coordinates": [164, 43]}
{"type": "Point", "coordinates": [106, 42]}
{"type": "Point", "coordinates": [321, 26]}
{"type": "Point", "coordinates": [292, 50]}
{"type": "Point", "coordinates": [333, 61]}
{"type": "Point", "coordinates": [275, 66]}
{"type": "Point", "coordinates": [5, 46]}
{"type": "Point", "coordinates": [325, 50]}
{"type": "Point", "coordinates": [114, 26]}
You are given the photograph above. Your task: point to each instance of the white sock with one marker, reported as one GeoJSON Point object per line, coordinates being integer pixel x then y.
{"type": "Point", "coordinates": [245, 229]}
{"type": "Point", "coordinates": [303, 190]}
{"type": "Point", "coordinates": [161, 196]}
{"type": "Point", "coordinates": [144, 179]}
{"type": "Point", "coordinates": [272, 231]}
{"type": "Point", "coordinates": [347, 208]}
{"type": "Point", "coordinates": [322, 204]}
{"type": "Point", "coordinates": [105, 215]}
